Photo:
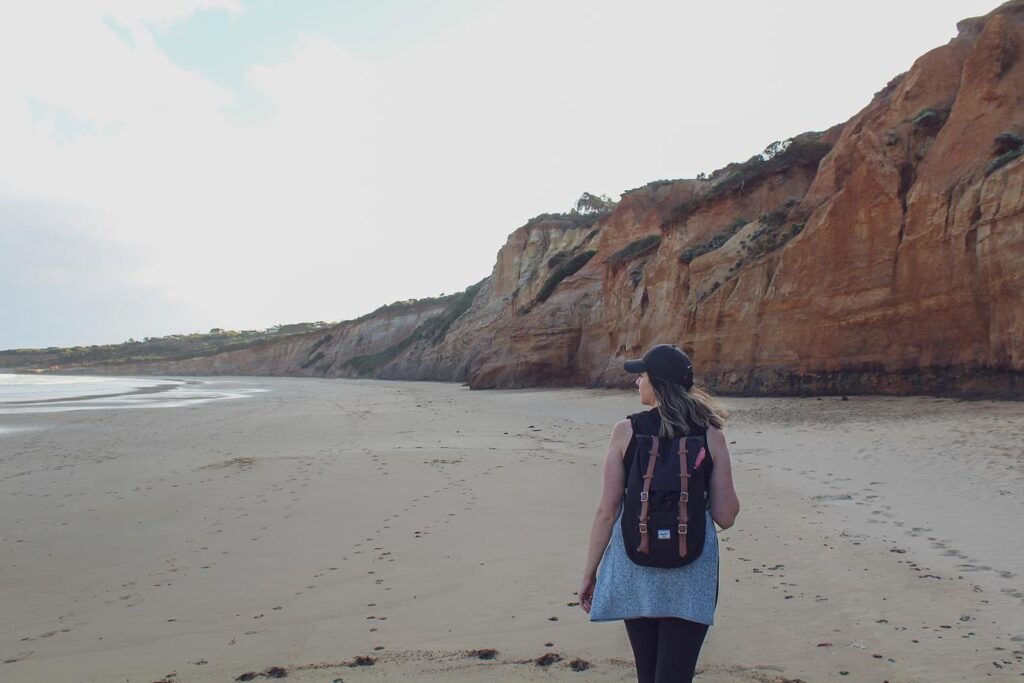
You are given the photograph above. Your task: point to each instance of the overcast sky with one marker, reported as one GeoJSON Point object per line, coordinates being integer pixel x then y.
{"type": "Point", "coordinates": [176, 165]}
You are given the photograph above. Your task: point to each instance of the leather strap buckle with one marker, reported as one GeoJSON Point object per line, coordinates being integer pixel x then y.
{"type": "Point", "coordinates": [644, 496]}
{"type": "Point", "coordinates": [682, 529]}
{"type": "Point", "coordinates": [684, 497]}
{"type": "Point", "coordinates": [643, 527]}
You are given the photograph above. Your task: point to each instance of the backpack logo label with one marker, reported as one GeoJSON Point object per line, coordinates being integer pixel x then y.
{"type": "Point", "coordinates": [664, 534]}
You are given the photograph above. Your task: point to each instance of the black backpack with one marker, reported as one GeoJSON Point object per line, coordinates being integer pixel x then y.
{"type": "Point", "coordinates": [663, 520]}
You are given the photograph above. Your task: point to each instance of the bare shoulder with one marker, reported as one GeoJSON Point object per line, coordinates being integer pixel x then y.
{"type": "Point", "coordinates": [622, 430]}
{"type": "Point", "coordinates": [621, 434]}
{"type": "Point", "coordinates": [716, 440]}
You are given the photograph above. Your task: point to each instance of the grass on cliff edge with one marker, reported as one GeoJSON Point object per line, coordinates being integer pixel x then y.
{"type": "Point", "coordinates": [805, 150]}
{"type": "Point", "coordinates": [432, 330]}
{"type": "Point", "coordinates": [152, 349]}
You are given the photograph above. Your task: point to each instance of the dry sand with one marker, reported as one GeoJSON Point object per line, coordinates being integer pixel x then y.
{"type": "Point", "coordinates": [414, 523]}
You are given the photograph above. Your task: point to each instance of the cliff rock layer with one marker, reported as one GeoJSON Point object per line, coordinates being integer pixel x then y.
{"type": "Point", "coordinates": [884, 255]}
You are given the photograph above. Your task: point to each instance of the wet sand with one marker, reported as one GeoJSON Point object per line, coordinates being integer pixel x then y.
{"type": "Point", "coordinates": [374, 531]}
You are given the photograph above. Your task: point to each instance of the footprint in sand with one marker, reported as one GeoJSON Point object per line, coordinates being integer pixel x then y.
{"type": "Point", "coordinates": [20, 656]}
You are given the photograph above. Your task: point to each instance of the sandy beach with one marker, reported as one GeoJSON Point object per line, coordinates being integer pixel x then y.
{"type": "Point", "coordinates": [352, 531]}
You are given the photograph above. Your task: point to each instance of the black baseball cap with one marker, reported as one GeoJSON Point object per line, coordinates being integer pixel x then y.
{"type": "Point", "coordinates": [665, 362]}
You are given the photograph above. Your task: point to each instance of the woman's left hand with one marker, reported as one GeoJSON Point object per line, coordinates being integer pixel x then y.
{"type": "Point", "coordinates": [586, 593]}
{"type": "Point", "coordinates": [607, 510]}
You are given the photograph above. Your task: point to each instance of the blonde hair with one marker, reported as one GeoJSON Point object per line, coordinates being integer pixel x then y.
{"type": "Point", "coordinates": [685, 411]}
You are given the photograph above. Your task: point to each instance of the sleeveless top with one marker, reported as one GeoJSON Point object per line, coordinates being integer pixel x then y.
{"type": "Point", "coordinates": [626, 590]}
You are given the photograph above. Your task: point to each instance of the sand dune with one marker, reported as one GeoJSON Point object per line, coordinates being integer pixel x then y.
{"type": "Point", "coordinates": [373, 531]}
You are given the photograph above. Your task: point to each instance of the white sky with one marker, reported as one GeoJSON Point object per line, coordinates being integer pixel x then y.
{"type": "Point", "coordinates": [143, 193]}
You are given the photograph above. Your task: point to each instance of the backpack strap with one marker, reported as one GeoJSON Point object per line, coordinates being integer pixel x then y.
{"type": "Point", "coordinates": [684, 495]}
{"type": "Point", "coordinates": [644, 546]}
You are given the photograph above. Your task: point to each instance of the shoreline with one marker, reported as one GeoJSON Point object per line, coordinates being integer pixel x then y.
{"type": "Point", "coordinates": [1012, 392]}
{"type": "Point", "coordinates": [317, 521]}
{"type": "Point", "coordinates": [160, 388]}
{"type": "Point", "coordinates": [157, 391]}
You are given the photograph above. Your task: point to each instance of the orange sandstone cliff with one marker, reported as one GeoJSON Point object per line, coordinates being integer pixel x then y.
{"type": "Point", "coordinates": [885, 255]}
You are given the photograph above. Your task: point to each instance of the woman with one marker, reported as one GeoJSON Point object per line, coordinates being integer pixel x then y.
{"type": "Point", "coordinates": [667, 612]}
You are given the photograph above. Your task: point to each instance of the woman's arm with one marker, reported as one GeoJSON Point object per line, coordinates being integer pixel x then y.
{"type": "Point", "coordinates": [725, 504]}
{"type": "Point", "coordinates": [607, 509]}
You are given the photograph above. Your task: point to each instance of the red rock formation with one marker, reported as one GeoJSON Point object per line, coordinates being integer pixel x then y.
{"type": "Point", "coordinates": [885, 255]}
{"type": "Point", "coordinates": [906, 276]}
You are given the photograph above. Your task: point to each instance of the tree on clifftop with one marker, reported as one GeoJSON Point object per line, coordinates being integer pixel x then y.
{"type": "Point", "coordinates": [591, 203]}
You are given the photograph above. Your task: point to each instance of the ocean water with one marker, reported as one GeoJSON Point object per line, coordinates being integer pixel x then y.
{"type": "Point", "coordinates": [56, 393]}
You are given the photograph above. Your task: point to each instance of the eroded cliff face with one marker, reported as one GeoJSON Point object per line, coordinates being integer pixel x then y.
{"type": "Point", "coordinates": [908, 273]}
{"type": "Point", "coordinates": [336, 352]}
{"type": "Point", "coordinates": [884, 255]}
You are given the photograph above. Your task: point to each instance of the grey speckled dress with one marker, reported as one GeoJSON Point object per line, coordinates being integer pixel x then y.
{"type": "Point", "coordinates": [626, 590]}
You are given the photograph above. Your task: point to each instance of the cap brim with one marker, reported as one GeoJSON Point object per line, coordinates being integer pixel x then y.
{"type": "Point", "coordinates": [634, 366]}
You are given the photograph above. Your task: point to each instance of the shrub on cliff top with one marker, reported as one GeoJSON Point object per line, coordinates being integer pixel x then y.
{"type": "Point", "coordinates": [566, 221]}
{"type": "Point", "coordinates": [804, 150]}
{"type": "Point", "coordinates": [589, 208]}
{"type": "Point", "coordinates": [407, 306]}
{"type": "Point", "coordinates": [592, 203]}
{"type": "Point", "coordinates": [891, 85]}
{"type": "Point", "coordinates": [634, 249]}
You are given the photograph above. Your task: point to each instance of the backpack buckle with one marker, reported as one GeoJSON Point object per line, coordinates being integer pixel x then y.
{"type": "Point", "coordinates": [682, 529]}
{"type": "Point", "coordinates": [684, 497]}
{"type": "Point", "coordinates": [643, 527]}
{"type": "Point", "coordinates": [644, 496]}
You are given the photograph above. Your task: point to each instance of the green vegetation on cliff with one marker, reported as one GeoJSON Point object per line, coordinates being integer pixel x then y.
{"type": "Point", "coordinates": [589, 208]}
{"type": "Point", "coordinates": [804, 150]}
{"type": "Point", "coordinates": [772, 234]}
{"type": "Point", "coordinates": [715, 242]}
{"type": "Point", "coordinates": [1008, 146]}
{"type": "Point", "coordinates": [432, 331]}
{"type": "Point", "coordinates": [151, 349]}
{"type": "Point", "coordinates": [562, 270]}
{"type": "Point", "coordinates": [634, 249]}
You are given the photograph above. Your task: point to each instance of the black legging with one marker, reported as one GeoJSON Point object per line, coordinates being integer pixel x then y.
{"type": "Point", "coordinates": [665, 649]}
